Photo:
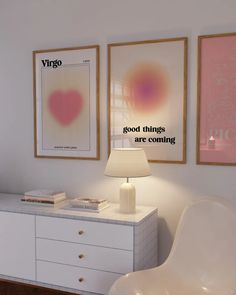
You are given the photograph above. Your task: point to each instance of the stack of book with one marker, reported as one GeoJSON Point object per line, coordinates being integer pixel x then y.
{"type": "Point", "coordinates": [89, 204]}
{"type": "Point", "coordinates": [44, 197]}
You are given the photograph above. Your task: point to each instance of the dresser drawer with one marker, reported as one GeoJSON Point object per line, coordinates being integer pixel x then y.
{"type": "Point", "coordinates": [85, 232]}
{"type": "Point", "coordinates": [75, 277]}
{"type": "Point", "coordinates": [100, 258]}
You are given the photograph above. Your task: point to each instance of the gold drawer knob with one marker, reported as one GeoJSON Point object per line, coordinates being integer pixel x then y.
{"type": "Point", "coordinates": [80, 232]}
{"type": "Point", "coordinates": [80, 280]}
{"type": "Point", "coordinates": [81, 256]}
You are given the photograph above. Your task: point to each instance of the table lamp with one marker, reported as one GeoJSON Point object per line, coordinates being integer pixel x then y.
{"type": "Point", "coordinates": [127, 162]}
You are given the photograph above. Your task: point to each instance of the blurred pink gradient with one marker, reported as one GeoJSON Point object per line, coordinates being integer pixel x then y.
{"type": "Point", "coordinates": [65, 106]}
{"type": "Point", "coordinates": [146, 88]}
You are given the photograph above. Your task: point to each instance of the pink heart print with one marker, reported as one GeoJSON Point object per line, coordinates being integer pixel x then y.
{"type": "Point", "coordinates": [65, 106]}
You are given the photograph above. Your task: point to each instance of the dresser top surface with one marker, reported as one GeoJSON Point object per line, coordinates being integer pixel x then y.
{"type": "Point", "coordinates": [12, 203]}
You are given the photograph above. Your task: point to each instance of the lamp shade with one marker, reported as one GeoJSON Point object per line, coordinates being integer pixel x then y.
{"type": "Point", "coordinates": [127, 162]}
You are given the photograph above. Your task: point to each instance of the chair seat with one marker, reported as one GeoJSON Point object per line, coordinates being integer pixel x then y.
{"type": "Point", "coordinates": [158, 281]}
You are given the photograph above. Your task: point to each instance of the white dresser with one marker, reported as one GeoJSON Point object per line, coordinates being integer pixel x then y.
{"type": "Point", "coordinates": [80, 252]}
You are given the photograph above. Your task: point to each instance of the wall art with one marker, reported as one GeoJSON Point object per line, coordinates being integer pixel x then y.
{"type": "Point", "coordinates": [147, 82]}
{"type": "Point", "coordinates": [216, 133]}
{"type": "Point", "coordinates": [66, 102]}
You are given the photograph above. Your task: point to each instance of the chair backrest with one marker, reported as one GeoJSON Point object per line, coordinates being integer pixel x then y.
{"type": "Point", "coordinates": [204, 249]}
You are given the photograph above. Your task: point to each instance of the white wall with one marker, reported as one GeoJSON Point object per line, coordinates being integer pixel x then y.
{"type": "Point", "coordinates": [28, 25]}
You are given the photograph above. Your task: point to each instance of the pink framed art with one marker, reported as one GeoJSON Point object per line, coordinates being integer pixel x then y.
{"type": "Point", "coordinates": [147, 88]}
{"type": "Point", "coordinates": [216, 131]}
{"type": "Point", "coordinates": [66, 103]}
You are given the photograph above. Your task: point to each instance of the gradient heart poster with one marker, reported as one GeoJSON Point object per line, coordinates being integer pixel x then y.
{"type": "Point", "coordinates": [66, 103]}
{"type": "Point", "coordinates": [217, 100]}
{"type": "Point", "coordinates": [147, 97]}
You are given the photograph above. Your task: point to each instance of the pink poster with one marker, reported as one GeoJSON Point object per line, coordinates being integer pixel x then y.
{"type": "Point", "coordinates": [66, 101]}
{"type": "Point", "coordinates": [217, 100]}
{"type": "Point", "coordinates": [147, 98]}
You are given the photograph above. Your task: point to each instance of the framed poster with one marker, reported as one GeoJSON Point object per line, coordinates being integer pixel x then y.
{"type": "Point", "coordinates": [66, 102]}
{"type": "Point", "coordinates": [216, 133]}
{"type": "Point", "coordinates": [147, 84]}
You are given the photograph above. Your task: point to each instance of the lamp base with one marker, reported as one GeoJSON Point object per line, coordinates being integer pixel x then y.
{"type": "Point", "coordinates": [127, 198]}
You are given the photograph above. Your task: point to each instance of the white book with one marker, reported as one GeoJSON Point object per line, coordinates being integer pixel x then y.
{"type": "Point", "coordinates": [89, 203]}
{"type": "Point", "coordinates": [44, 193]}
{"type": "Point", "coordinates": [70, 207]}
{"type": "Point", "coordinates": [43, 203]}
{"type": "Point", "coordinates": [49, 200]}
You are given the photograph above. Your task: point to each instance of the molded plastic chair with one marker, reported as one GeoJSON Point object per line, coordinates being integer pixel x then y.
{"type": "Point", "coordinates": [202, 260]}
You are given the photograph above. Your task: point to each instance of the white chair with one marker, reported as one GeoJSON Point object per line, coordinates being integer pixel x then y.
{"type": "Point", "coordinates": [202, 260]}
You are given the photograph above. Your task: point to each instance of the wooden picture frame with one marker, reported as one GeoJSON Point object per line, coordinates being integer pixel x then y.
{"type": "Point", "coordinates": [216, 108]}
{"type": "Point", "coordinates": [147, 94]}
{"type": "Point", "coordinates": [66, 103]}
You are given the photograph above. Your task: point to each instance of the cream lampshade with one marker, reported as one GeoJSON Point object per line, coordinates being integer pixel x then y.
{"type": "Point", "coordinates": [127, 162]}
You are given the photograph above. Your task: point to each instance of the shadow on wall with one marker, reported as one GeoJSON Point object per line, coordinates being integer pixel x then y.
{"type": "Point", "coordinates": [165, 240]}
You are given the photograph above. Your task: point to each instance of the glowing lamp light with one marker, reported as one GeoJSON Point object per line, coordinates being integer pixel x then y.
{"type": "Point", "coordinates": [127, 163]}
{"type": "Point", "coordinates": [211, 142]}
